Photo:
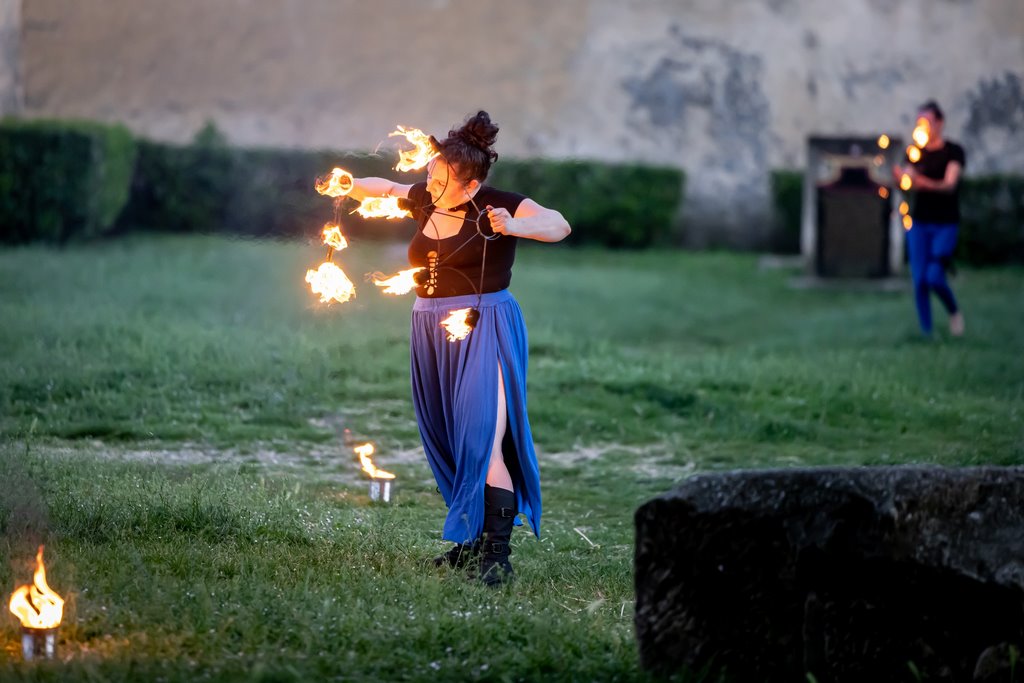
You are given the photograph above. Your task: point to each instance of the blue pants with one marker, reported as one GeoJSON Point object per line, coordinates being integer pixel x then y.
{"type": "Point", "coordinates": [931, 245]}
{"type": "Point", "coordinates": [455, 394]}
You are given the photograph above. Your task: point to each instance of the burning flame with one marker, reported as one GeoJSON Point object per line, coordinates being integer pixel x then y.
{"type": "Point", "coordinates": [420, 156]}
{"type": "Point", "coordinates": [905, 182]}
{"type": "Point", "coordinates": [904, 208]}
{"type": "Point", "coordinates": [381, 207]}
{"type": "Point", "coordinates": [402, 283]}
{"type": "Point", "coordinates": [908, 222]}
{"type": "Point", "coordinates": [331, 283]}
{"type": "Point", "coordinates": [456, 324]}
{"type": "Point", "coordinates": [37, 606]}
{"type": "Point", "coordinates": [338, 184]}
{"type": "Point", "coordinates": [922, 132]}
{"type": "Point", "coordinates": [914, 153]}
{"type": "Point", "coordinates": [883, 141]}
{"type": "Point", "coordinates": [364, 452]}
{"type": "Point", "coordinates": [883, 192]}
{"type": "Point", "coordinates": [333, 237]}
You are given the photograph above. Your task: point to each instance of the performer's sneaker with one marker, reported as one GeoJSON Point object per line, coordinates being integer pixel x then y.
{"type": "Point", "coordinates": [459, 556]}
{"type": "Point", "coordinates": [956, 324]}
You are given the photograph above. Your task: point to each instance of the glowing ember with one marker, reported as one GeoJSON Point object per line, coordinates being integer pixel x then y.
{"type": "Point", "coordinates": [908, 222]}
{"type": "Point", "coordinates": [364, 452]}
{"type": "Point", "coordinates": [883, 192]}
{"type": "Point", "coordinates": [420, 155]}
{"type": "Point", "coordinates": [331, 283]}
{"type": "Point", "coordinates": [381, 207]}
{"type": "Point", "coordinates": [337, 184]}
{"type": "Point", "coordinates": [333, 237]}
{"type": "Point", "coordinates": [37, 606]}
{"type": "Point", "coordinates": [905, 182]}
{"type": "Point", "coordinates": [402, 283]}
{"type": "Point", "coordinates": [922, 132]}
{"type": "Point", "coordinates": [914, 154]}
{"type": "Point", "coordinates": [457, 324]}
{"type": "Point", "coordinates": [883, 141]}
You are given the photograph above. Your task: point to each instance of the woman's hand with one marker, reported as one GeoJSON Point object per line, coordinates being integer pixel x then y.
{"type": "Point", "coordinates": [501, 220]}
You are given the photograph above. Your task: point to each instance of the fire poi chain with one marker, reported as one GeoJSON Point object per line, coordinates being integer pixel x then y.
{"type": "Point", "coordinates": [920, 135]}
{"type": "Point", "coordinates": [330, 281]}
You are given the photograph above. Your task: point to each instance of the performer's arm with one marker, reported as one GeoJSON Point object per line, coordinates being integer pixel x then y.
{"type": "Point", "coordinates": [377, 187]}
{"type": "Point", "coordinates": [532, 221]}
{"type": "Point", "coordinates": [947, 184]}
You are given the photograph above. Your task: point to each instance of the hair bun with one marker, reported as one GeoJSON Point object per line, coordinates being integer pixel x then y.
{"type": "Point", "coordinates": [478, 131]}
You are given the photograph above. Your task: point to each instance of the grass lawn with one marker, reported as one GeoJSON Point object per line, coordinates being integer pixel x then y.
{"type": "Point", "coordinates": [171, 416]}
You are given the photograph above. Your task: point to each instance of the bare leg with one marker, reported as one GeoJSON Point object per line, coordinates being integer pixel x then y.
{"type": "Point", "coordinates": [497, 473]}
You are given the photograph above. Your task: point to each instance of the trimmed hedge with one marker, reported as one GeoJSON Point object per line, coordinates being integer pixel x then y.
{"type": "Point", "coordinates": [209, 186]}
{"type": "Point", "coordinates": [616, 205]}
{"type": "Point", "coordinates": [991, 222]}
{"type": "Point", "coordinates": [62, 179]}
{"type": "Point", "coordinates": [787, 189]}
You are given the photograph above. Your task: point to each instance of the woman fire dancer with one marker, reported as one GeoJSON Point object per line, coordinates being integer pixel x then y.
{"type": "Point", "coordinates": [470, 394]}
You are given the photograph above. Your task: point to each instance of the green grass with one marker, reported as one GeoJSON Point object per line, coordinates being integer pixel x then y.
{"type": "Point", "coordinates": [171, 408]}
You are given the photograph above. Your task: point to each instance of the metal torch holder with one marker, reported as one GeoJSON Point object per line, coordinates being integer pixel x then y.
{"type": "Point", "coordinates": [380, 490]}
{"type": "Point", "coordinates": [38, 643]}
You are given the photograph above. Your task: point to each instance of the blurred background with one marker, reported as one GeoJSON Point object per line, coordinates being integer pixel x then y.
{"type": "Point", "coordinates": [727, 94]}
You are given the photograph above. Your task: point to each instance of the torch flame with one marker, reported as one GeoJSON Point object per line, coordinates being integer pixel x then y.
{"type": "Point", "coordinates": [908, 222]}
{"type": "Point", "coordinates": [883, 192]}
{"type": "Point", "coordinates": [402, 283]}
{"type": "Point", "coordinates": [331, 283]}
{"type": "Point", "coordinates": [883, 141]}
{"type": "Point", "coordinates": [37, 606]}
{"type": "Point", "coordinates": [364, 452]}
{"type": "Point", "coordinates": [456, 324]}
{"type": "Point", "coordinates": [914, 153]}
{"type": "Point", "coordinates": [922, 132]}
{"type": "Point", "coordinates": [381, 207]}
{"type": "Point", "coordinates": [420, 155]}
{"type": "Point", "coordinates": [333, 237]}
{"type": "Point", "coordinates": [905, 182]}
{"type": "Point", "coordinates": [904, 208]}
{"type": "Point", "coordinates": [338, 184]}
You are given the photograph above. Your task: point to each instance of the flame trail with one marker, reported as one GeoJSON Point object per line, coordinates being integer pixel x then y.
{"type": "Point", "coordinates": [457, 324]}
{"type": "Point", "coordinates": [421, 154]}
{"type": "Point", "coordinates": [337, 184]}
{"type": "Point", "coordinates": [402, 283]}
{"type": "Point", "coordinates": [381, 207]}
{"type": "Point", "coordinates": [364, 452]}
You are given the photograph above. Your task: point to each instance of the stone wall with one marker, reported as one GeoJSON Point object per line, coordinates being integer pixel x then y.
{"type": "Point", "coordinates": [727, 91]}
{"type": "Point", "coordinates": [10, 50]}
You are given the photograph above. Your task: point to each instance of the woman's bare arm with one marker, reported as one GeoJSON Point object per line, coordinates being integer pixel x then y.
{"type": "Point", "coordinates": [532, 221]}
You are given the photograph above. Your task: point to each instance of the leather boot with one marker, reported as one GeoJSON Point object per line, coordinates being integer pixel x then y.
{"type": "Point", "coordinates": [460, 555]}
{"type": "Point", "coordinates": [499, 517]}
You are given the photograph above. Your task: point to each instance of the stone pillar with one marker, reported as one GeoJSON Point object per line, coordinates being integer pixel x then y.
{"type": "Point", "coordinates": [10, 57]}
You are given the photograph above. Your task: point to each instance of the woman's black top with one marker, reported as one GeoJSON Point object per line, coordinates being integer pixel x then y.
{"type": "Point", "coordinates": [453, 264]}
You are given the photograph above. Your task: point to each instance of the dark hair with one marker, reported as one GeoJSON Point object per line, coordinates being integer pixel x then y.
{"type": "Point", "coordinates": [468, 148]}
{"type": "Point", "coordinates": [933, 107]}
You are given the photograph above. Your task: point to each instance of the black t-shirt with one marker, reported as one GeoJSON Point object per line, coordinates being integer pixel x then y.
{"type": "Point", "coordinates": [454, 263]}
{"type": "Point", "coordinates": [938, 207]}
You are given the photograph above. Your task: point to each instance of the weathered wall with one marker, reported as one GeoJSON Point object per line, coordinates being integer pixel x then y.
{"type": "Point", "coordinates": [724, 90]}
{"type": "Point", "coordinates": [10, 50]}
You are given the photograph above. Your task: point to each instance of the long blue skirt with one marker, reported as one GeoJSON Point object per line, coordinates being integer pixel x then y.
{"type": "Point", "coordinates": [455, 393]}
